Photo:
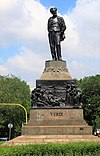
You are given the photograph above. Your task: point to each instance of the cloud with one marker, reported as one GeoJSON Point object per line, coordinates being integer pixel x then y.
{"type": "Point", "coordinates": [6, 5]}
{"type": "Point", "coordinates": [25, 61]}
{"type": "Point", "coordinates": [26, 64]}
{"type": "Point", "coordinates": [4, 70]}
{"type": "Point", "coordinates": [80, 69]}
{"type": "Point", "coordinates": [25, 23]}
{"type": "Point", "coordinates": [86, 18]}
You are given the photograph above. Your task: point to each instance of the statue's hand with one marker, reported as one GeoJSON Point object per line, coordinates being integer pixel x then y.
{"type": "Point", "coordinates": [62, 36]}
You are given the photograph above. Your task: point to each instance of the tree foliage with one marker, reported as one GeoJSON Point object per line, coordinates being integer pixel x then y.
{"type": "Point", "coordinates": [13, 90]}
{"type": "Point", "coordinates": [91, 99]}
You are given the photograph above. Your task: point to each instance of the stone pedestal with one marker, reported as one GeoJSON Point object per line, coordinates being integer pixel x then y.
{"type": "Point", "coordinates": [56, 122]}
{"type": "Point", "coordinates": [56, 104]}
{"type": "Point", "coordinates": [55, 70]}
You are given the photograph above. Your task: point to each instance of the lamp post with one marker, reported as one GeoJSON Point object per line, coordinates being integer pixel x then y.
{"type": "Point", "coordinates": [10, 126]}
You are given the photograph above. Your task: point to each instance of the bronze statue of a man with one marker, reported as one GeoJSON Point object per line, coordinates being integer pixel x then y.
{"type": "Point", "coordinates": [56, 28]}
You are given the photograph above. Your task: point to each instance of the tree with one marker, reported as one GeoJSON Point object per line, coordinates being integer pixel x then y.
{"type": "Point", "coordinates": [13, 90]}
{"type": "Point", "coordinates": [91, 99]}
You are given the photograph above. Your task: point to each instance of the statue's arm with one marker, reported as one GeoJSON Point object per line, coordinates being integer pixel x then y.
{"type": "Point", "coordinates": [63, 25]}
{"type": "Point", "coordinates": [48, 25]}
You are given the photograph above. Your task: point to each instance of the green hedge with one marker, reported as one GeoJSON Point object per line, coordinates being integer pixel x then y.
{"type": "Point", "coordinates": [68, 149]}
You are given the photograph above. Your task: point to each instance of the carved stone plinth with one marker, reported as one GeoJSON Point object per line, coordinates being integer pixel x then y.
{"type": "Point", "coordinates": [55, 70]}
{"type": "Point", "coordinates": [56, 122]}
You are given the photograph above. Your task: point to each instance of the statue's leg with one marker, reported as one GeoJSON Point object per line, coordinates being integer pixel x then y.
{"type": "Point", "coordinates": [52, 45]}
{"type": "Point", "coordinates": [53, 53]}
{"type": "Point", "coordinates": [58, 46]}
{"type": "Point", "coordinates": [59, 52]}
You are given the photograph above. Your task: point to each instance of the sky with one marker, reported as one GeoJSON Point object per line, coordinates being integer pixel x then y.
{"type": "Point", "coordinates": [24, 46]}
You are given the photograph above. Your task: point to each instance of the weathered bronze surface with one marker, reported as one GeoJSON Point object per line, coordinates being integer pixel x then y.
{"type": "Point", "coordinates": [56, 28]}
{"type": "Point", "coordinates": [56, 94]}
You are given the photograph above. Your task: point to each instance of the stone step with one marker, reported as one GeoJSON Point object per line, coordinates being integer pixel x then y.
{"type": "Point", "coordinates": [57, 130]}
{"type": "Point", "coordinates": [57, 126]}
{"type": "Point", "coordinates": [42, 139]}
{"type": "Point", "coordinates": [56, 122]}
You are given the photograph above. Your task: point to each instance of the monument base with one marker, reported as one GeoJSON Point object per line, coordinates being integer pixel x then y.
{"type": "Point", "coordinates": [56, 104]}
{"type": "Point", "coordinates": [44, 139]}
{"type": "Point", "coordinates": [56, 122]}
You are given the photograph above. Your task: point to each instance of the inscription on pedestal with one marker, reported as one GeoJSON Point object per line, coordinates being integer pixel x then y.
{"type": "Point", "coordinates": [50, 114]}
{"type": "Point", "coordinates": [56, 114]}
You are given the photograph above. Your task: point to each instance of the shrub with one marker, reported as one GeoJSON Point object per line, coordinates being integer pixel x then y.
{"type": "Point", "coordinates": [68, 149]}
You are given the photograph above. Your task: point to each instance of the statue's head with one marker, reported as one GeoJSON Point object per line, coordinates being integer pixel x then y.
{"type": "Point", "coordinates": [53, 10]}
